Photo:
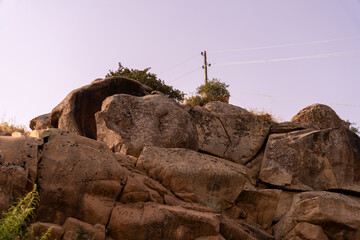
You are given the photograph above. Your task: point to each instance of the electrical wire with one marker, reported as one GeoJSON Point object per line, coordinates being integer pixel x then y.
{"type": "Point", "coordinates": [178, 64]}
{"type": "Point", "coordinates": [297, 99]}
{"type": "Point", "coordinates": [286, 45]}
{"type": "Point", "coordinates": [192, 71]}
{"type": "Point", "coordinates": [335, 54]}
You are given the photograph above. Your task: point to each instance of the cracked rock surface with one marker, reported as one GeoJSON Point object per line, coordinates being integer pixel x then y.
{"type": "Point", "coordinates": [229, 131]}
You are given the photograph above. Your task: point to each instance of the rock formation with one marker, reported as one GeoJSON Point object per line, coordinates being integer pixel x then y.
{"type": "Point", "coordinates": [319, 114]}
{"type": "Point", "coordinates": [76, 112]}
{"type": "Point", "coordinates": [123, 164]}
{"type": "Point", "coordinates": [128, 123]}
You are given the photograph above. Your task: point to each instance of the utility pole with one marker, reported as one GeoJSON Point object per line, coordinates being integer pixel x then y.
{"type": "Point", "coordinates": [205, 66]}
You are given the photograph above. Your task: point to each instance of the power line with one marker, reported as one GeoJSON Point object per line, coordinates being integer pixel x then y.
{"type": "Point", "coordinates": [297, 99]}
{"type": "Point", "coordinates": [192, 71]}
{"type": "Point", "coordinates": [335, 54]}
{"type": "Point", "coordinates": [286, 45]}
{"type": "Point", "coordinates": [178, 64]}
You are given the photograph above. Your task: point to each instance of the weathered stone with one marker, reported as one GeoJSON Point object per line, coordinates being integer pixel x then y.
{"type": "Point", "coordinates": [321, 115]}
{"type": "Point", "coordinates": [193, 176]}
{"type": "Point", "coordinates": [313, 160]}
{"type": "Point", "coordinates": [140, 188]}
{"type": "Point", "coordinates": [219, 237]}
{"type": "Point", "coordinates": [254, 167]}
{"type": "Point", "coordinates": [284, 205]}
{"type": "Point", "coordinates": [18, 168]}
{"type": "Point", "coordinates": [154, 221]}
{"type": "Point", "coordinates": [41, 122]}
{"type": "Point", "coordinates": [286, 127]}
{"type": "Point", "coordinates": [75, 229]}
{"type": "Point", "coordinates": [331, 211]}
{"type": "Point", "coordinates": [259, 206]}
{"type": "Point", "coordinates": [231, 229]}
{"type": "Point", "coordinates": [127, 123]}
{"type": "Point", "coordinates": [78, 177]}
{"type": "Point", "coordinates": [229, 131]}
{"type": "Point", "coordinates": [306, 231]}
{"type": "Point", "coordinates": [76, 112]}
{"type": "Point", "coordinates": [212, 134]}
{"type": "Point", "coordinates": [40, 228]}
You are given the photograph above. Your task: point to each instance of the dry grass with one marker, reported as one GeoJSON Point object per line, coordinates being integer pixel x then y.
{"type": "Point", "coordinates": [10, 126]}
{"type": "Point", "coordinates": [269, 117]}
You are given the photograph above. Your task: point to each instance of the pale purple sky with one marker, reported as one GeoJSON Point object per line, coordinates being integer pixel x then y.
{"type": "Point", "coordinates": [49, 48]}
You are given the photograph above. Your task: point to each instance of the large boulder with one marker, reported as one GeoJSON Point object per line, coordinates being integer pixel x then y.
{"type": "Point", "coordinates": [192, 176]}
{"type": "Point", "coordinates": [229, 131]}
{"type": "Point", "coordinates": [160, 222]}
{"type": "Point", "coordinates": [258, 207]}
{"type": "Point", "coordinates": [75, 229]}
{"type": "Point", "coordinates": [321, 115]}
{"type": "Point", "coordinates": [18, 167]}
{"type": "Point", "coordinates": [76, 112]}
{"type": "Point", "coordinates": [336, 214]}
{"type": "Point", "coordinates": [308, 231]}
{"type": "Point", "coordinates": [155, 221]}
{"type": "Point", "coordinates": [308, 160]}
{"type": "Point", "coordinates": [77, 177]}
{"type": "Point", "coordinates": [127, 123]}
{"type": "Point", "coordinates": [41, 122]}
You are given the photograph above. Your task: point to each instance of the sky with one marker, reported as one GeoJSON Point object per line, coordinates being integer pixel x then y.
{"type": "Point", "coordinates": [277, 56]}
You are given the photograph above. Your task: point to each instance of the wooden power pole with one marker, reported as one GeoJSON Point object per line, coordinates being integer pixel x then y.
{"type": "Point", "coordinates": [205, 66]}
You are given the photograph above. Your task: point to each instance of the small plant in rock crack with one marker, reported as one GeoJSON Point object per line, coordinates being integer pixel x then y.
{"type": "Point", "coordinates": [15, 223]}
{"type": "Point", "coordinates": [212, 203]}
{"type": "Point", "coordinates": [82, 234]}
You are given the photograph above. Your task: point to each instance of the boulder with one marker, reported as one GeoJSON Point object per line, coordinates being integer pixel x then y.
{"type": "Point", "coordinates": [41, 122]}
{"type": "Point", "coordinates": [154, 221]}
{"type": "Point", "coordinates": [336, 213]}
{"type": "Point", "coordinates": [75, 229]}
{"type": "Point", "coordinates": [76, 112]}
{"type": "Point", "coordinates": [321, 115]}
{"type": "Point", "coordinates": [192, 176]}
{"type": "Point", "coordinates": [141, 188]}
{"type": "Point", "coordinates": [18, 168]}
{"type": "Point", "coordinates": [230, 132]}
{"type": "Point", "coordinates": [309, 160]}
{"type": "Point", "coordinates": [258, 207]}
{"type": "Point", "coordinates": [127, 123]}
{"type": "Point", "coordinates": [306, 231]}
{"type": "Point", "coordinates": [77, 177]}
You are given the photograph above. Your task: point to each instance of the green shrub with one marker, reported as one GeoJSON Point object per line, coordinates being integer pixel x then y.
{"type": "Point", "coordinates": [149, 79]}
{"type": "Point", "coordinates": [351, 126]}
{"type": "Point", "coordinates": [213, 90]}
{"type": "Point", "coordinates": [15, 223]}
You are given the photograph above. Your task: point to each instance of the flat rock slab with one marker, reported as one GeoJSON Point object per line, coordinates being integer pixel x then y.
{"type": "Point", "coordinates": [192, 176]}
{"type": "Point", "coordinates": [230, 132]}
{"type": "Point", "coordinates": [308, 160]}
{"type": "Point", "coordinates": [127, 123]}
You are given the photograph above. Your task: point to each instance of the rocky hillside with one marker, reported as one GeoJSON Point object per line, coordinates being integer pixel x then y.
{"type": "Point", "coordinates": [119, 162]}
